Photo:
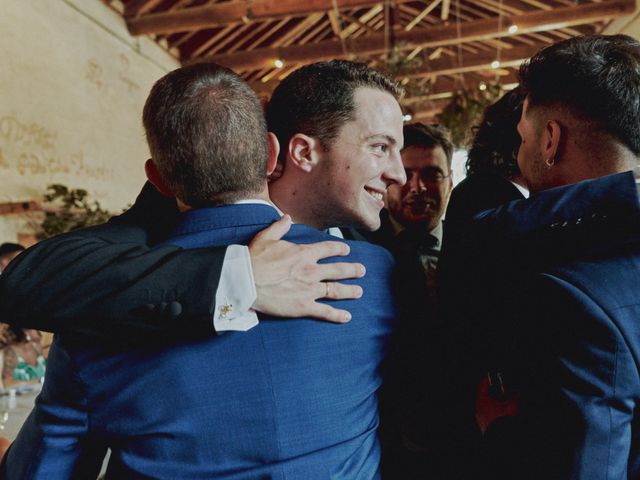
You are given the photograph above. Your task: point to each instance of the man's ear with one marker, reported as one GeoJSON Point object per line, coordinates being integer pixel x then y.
{"type": "Point", "coordinates": [154, 177]}
{"type": "Point", "coordinates": [552, 136]}
{"type": "Point", "coordinates": [274, 151]}
{"type": "Point", "coordinates": [302, 152]}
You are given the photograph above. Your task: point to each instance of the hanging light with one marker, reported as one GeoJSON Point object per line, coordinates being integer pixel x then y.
{"type": "Point", "coordinates": [513, 28]}
{"type": "Point", "coordinates": [278, 63]}
{"type": "Point", "coordinates": [407, 117]}
{"type": "Point", "coordinates": [495, 64]}
{"type": "Point", "coordinates": [482, 86]}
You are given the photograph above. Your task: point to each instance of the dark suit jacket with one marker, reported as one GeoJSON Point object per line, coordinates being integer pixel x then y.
{"type": "Point", "coordinates": [291, 399]}
{"type": "Point", "coordinates": [107, 280]}
{"type": "Point", "coordinates": [551, 298]}
{"type": "Point", "coordinates": [412, 446]}
{"type": "Point", "coordinates": [471, 196]}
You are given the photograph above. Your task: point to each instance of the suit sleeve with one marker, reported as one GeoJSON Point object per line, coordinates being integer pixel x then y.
{"type": "Point", "coordinates": [106, 280]}
{"type": "Point", "coordinates": [578, 403]}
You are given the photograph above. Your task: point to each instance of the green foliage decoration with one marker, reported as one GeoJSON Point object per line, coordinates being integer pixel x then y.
{"type": "Point", "coordinates": [69, 209]}
{"type": "Point", "coordinates": [465, 110]}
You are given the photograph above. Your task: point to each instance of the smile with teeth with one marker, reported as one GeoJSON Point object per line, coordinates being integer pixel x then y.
{"type": "Point", "coordinates": [374, 194]}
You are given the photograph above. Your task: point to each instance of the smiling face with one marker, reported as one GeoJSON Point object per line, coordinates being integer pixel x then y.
{"type": "Point", "coordinates": [361, 163]}
{"type": "Point", "coordinates": [423, 199]}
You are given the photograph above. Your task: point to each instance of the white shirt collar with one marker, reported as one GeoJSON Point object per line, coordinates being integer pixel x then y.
{"type": "Point", "coordinates": [258, 201]}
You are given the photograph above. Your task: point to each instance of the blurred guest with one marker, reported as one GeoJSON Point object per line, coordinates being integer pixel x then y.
{"type": "Point", "coordinates": [493, 176]}
{"type": "Point", "coordinates": [411, 228]}
{"type": "Point", "coordinates": [22, 357]}
{"type": "Point", "coordinates": [411, 225]}
{"type": "Point", "coordinates": [8, 251]}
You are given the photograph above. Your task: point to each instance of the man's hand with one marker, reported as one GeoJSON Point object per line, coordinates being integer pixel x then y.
{"type": "Point", "coordinates": [289, 278]}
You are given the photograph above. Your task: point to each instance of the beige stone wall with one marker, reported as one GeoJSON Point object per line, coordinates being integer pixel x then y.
{"type": "Point", "coordinates": [73, 83]}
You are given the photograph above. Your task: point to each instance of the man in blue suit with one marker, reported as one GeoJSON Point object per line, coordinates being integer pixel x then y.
{"type": "Point", "coordinates": [287, 399]}
{"type": "Point", "coordinates": [553, 303]}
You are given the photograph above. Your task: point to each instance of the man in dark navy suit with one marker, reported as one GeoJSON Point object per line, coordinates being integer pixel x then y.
{"type": "Point", "coordinates": [294, 399]}
{"type": "Point", "coordinates": [551, 283]}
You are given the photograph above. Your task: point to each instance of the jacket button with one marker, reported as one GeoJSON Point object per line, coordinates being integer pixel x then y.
{"type": "Point", "coordinates": [174, 309]}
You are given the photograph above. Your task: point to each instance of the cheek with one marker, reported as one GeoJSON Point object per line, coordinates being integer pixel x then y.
{"type": "Point", "coordinates": [394, 193]}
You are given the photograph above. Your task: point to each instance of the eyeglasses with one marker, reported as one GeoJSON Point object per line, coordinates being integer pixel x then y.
{"type": "Point", "coordinates": [428, 175]}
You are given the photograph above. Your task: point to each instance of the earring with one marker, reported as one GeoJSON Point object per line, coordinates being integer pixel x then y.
{"type": "Point", "coordinates": [549, 162]}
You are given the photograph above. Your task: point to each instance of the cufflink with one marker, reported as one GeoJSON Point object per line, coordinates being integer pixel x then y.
{"type": "Point", "coordinates": [225, 310]}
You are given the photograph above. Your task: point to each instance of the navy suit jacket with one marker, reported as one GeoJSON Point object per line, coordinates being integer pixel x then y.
{"type": "Point", "coordinates": [289, 399]}
{"type": "Point", "coordinates": [553, 300]}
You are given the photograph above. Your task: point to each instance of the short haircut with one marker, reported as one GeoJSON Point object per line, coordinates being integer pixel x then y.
{"type": "Point", "coordinates": [430, 136]}
{"type": "Point", "coordinates": [207, 135]}
{"type": "Point", "coordinates": [496, 140]}
{"type": "Point", "coordinates": [318, 99]}
{"type": "Point", "coordinates": [596, 78]}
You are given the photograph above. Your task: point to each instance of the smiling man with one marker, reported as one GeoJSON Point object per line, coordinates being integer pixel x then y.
{"type": "Point", "coordinates": [412, 223]}
{"type": "Point", "coordinates": [295, 399]}
{"type": "Point", "coordinates": [340, 130]}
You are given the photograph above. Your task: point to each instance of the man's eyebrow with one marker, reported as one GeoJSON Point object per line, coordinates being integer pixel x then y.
{"type": "Point", "coordinates": [388, 138]}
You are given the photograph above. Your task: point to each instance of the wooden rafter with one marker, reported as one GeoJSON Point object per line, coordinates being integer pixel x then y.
{"type": "Point", "coordinates": [219, 14]}
{"type": "Point", "coordinates": [448, 65]}
{"type": "Point", "coordinates": [530, 22]}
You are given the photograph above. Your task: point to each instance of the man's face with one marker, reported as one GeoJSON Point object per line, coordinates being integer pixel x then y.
{"type": "Point", "coordinates": [362, 162]}
{"type": "Point", "coordinates": [423, 199]}
{"type": "Point", "coordinates": [530, 156]}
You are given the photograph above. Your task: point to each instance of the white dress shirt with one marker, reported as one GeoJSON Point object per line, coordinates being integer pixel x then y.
{"type": "Point", "coordinates": [237, 287]}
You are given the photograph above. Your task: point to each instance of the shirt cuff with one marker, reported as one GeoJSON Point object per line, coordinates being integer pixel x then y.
{"type": "Point", "coordinates": [236, 292]}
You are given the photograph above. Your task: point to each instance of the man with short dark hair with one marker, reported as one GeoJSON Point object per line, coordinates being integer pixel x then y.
{"type": "Point", "coordinates": [292, 399]}
{"type": "Point", "coordinates": [551, 282]}
{"type": "Point", "coordinates": [412, 220]}
{"type": "Point", "coordinates": [340, 128]}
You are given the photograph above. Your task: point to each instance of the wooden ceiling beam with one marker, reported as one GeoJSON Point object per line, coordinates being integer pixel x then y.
{"type": "Point", "coordinates": [447, 87]}
{"type": "Point", "coordinates": [510, 58]}
{"type": "Point", "coordinates": [140, 7]}
{"type": "Point", "coordinates": [217, 15]}
{"type": "Point", "coordinates": [477, 30]}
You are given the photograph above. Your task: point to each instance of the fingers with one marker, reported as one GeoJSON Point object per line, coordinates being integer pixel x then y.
{"type": "Point", "coordinates": [338, 271]}
{"type": "Point", "coordinates": [339, 291]}
{"type": "Point", "coordinates": [327, 249]}
{"type": "Point", "coordinates": [325, 312]}
{"type": "Point", "coordinates": [275, 231]}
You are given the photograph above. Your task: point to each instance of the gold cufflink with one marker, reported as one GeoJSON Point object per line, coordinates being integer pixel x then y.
{"type": "Point", "coordinates": [226, 310]}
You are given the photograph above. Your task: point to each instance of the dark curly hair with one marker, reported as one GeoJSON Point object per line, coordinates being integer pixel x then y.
{"type": "Point", "coordinates": [496, 140]}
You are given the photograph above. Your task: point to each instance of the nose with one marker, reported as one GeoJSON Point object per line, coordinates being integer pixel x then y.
{"type": "Point", "coordinates": [415, 183]}
{"type": "Point", "coordinates": [394, 173]}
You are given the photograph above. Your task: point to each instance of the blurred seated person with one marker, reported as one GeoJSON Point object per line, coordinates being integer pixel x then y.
{"type": "Point", "coordinates": [22, 356]}
{"type": "Point", "coordinates": [493, 176]}
{"type": "Point", "coordinates": [8, 251]}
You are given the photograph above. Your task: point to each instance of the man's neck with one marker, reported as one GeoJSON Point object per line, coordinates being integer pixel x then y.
{"type": "Point", "coordinates": [260, 197]}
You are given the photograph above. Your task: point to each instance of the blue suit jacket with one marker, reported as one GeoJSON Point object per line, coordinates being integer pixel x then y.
{"type": "Point", "coordinates": [554, 301]}
{"type": "Point", "coordinates": [290, 399]}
